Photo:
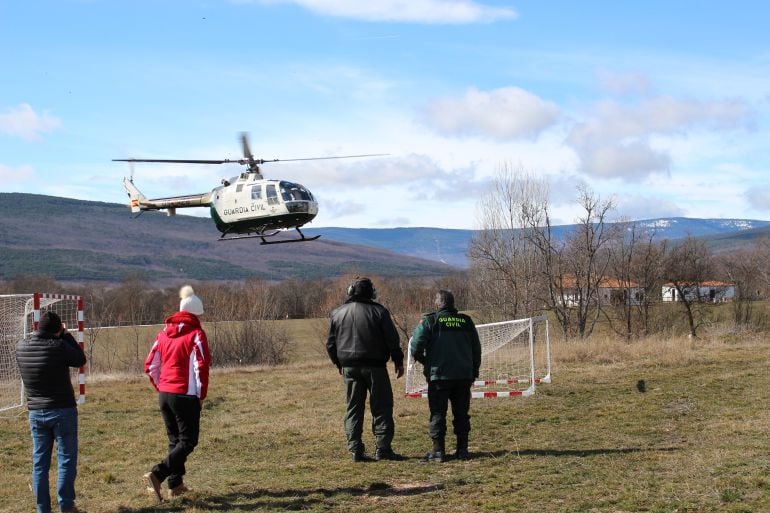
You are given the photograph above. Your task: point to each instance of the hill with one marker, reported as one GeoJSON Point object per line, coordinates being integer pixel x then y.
{"type": "Point", "coordinates": [437, 244]}
{"type": "Point", "coordinates": [450, 246]}
{"type": "Point", "coordinates": [75, 240]}
{"type": "Point", "coordinates": [726, 241]}
{"type": "Point", "coordinates": [81, 241]}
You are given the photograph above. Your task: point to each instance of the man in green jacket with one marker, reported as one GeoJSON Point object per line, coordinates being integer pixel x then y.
{"type": "Point", "coordinates": [447, 344]}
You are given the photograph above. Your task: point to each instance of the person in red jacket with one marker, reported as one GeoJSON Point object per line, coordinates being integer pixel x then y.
{"type": "Point", "coordinates": [178, 367]}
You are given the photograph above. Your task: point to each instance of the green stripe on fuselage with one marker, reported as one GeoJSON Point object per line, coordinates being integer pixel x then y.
{"type": "Point", "coordinates": [260, 224]}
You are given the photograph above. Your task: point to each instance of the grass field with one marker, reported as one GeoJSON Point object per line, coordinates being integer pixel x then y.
{"type": "Point", "coordinates": [697, 440]}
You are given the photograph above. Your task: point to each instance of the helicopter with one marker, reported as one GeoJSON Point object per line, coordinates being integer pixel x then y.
{"type": "Point", "coordinates": [244, 206]}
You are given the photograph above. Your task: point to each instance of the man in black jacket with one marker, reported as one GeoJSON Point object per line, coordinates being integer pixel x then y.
{"type": "Point", "coordinates": [362, 338]}
{"type": "Point", "coordinates": [44, 359]}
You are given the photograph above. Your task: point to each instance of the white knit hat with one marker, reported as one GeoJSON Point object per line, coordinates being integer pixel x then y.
{"type": "Point", "coordinates": [189, 301]}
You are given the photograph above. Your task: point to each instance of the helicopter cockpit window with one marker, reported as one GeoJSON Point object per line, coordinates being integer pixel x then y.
{"type": "Point", "coordinates": [256, 192]}
{"type": "Point", "coordinates": [272, 194]}
{"type": "Point", "coordinates": [294, 192]}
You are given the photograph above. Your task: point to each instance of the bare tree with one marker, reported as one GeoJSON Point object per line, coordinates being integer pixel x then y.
{"type": "Point", "coordinates": [242, 331]}
{"type": "Point", "coordinates": [686, 266]}
{"type": "Point", "coordinates": [572, 267]}
{"type": "Point", "coordinates": [299, 299]}
{"type": "Point", "coordinates": [647, 265]}
{"type": "Point", "coordinates": [29, 283]}
{"type": "Point", "coordinates": [406, 299]}
{"type": "Point", "coordinates": [747, 269]}
{"type": "Point", "coordinates": [589, 257]}
{"type": "Point", "coordinates": [504, 261]}
{"type": "Point", "coordinates": [98, 315]}
{"type": "Point", "coordinates": [635, 265]}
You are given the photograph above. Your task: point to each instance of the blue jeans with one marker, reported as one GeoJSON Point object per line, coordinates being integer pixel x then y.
{"type": "Point", "coordinates": [46, 426]}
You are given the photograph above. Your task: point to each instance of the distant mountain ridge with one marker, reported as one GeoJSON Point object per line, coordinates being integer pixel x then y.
{"type": "Point", "coordinates": [87, 241]}
{"type": "Point", "coordinates": [680, 227]}
{"type": "Point", "coordinates": [77, 240]}
{"type": "Point", "coordinates": [451, 245]}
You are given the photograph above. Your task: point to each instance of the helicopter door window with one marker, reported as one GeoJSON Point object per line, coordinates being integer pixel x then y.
{"type": "Point", "coordinates": [239, 187]}
{"type": "Point", "coordinates": [272, 195]}
{"type": "Point", "coordinates": [256, 192]}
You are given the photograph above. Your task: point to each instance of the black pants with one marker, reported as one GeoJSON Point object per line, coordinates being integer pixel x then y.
{"type": "Point", "coordinates": [182, 416]}
{"type": "Point", "coordinates": [440, 393]}
{"type": "Point", "coordinates": [375, 381]}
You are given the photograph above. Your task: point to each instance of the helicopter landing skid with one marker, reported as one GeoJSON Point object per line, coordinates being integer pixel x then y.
{"type": "Point", "coordinates": [267, 242]}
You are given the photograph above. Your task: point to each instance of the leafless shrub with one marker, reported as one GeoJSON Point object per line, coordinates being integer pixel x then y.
{"type": "Point", "coordinates": [247, 343]}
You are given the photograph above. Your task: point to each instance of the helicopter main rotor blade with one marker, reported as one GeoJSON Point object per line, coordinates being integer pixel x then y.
{"type": "Point", "coordinates": [249, 160]}
{"type": "Point", "coordinates": [253, 164]}
{"type": "Point", "coordinates": [245, 145]}
{"type": "Point", "coordinates": [327, 158]}
{"type": "Point", "coordinates": [184, 161]}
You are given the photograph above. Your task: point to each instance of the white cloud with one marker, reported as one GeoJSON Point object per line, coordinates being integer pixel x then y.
{"type": "Point", "coordinates": [615, 140]}
{"type": "Point", "coordinates": [376, 172]}
{"type": "Point", "coordinates": [9, 175]}
{"type": "Point", "coordinates": [624, 83]}
{"type": "Point", "coordinates": [563, 188]}
{"type": "Point", "coordinates": [416, 11]}
{"type": "Point", "coordinates": [635, 160]}
{"type": "Point", "coordinates": [393, 222]}
{"type": "Point", "coordinates": [335, 209]}
{"type": "Point", "coordinates": [662, 114]}
{"type": "Point", "coordinates": [329, 79]}
{"type": "Point", "coordinates": [504, 113]}
{"type": "Point", "coordinates": [638, 207]}
{"type": "Point", "coordinates": [22, 121]}
{"type": "Point", "coordinates": [759, 198]}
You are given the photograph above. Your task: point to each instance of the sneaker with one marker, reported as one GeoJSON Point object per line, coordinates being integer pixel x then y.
{"type": "Point", "coordinates": [361, 456]}
{"type": "Point", "coordinates": [154, 485]}
{"type": "Point", "coordinates": [387, 454]}
{"type": "Point", "coordinates": [177, 491]}
{"type": "Point", "coordinates": [437, 457]}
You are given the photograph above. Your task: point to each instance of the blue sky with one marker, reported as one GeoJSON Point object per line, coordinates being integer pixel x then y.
{"type": "Point", "coordinates": [662, 106]}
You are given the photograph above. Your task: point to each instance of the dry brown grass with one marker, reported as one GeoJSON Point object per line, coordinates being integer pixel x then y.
{"type": "Point", "coordinates": [694, 441]}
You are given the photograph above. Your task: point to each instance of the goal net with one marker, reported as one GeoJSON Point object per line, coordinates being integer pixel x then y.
{"type": "Point", "coordinates": [515, 356]}
{"type": "Point", "coordinates": [19, 317]}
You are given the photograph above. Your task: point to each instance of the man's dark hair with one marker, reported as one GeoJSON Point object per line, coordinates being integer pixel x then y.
{"type": "Point", "coordinates": [445, 299]}
{"type": "Point", "coordinates": [50, 323]}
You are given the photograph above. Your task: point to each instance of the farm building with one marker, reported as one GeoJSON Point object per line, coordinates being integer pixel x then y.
{"type": "Point", "coordinates": [709, 291]}
{"type": "Point", "coordinates": [611, 291]}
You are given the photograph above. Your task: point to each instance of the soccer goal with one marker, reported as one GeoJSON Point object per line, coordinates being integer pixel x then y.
{"type": "Point", "coordinates": [19, 316]}
{"type": "Point", "coordinates": [515, 356]}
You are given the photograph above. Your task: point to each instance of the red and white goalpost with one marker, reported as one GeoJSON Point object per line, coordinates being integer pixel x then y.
{"type": "Point", "coordinates": [515, 357]}
{"type": "Point", "coordinates": [19, 317]}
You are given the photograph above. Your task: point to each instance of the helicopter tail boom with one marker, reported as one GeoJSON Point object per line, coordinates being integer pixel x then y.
{"type": "Point", "coordinates": [140, 203]}
{"type": "Point", "coordinates": [134, 195]}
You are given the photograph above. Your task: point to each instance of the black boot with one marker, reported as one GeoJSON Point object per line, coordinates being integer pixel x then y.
{"type": "Point", "coordinates": [387, 454]}
{"type": "Point", "coordinates": [437, 453]}
{"type": "Point", "coordinates": [462, 448]}
{"type": "Point", "coordinates": [359, 455]}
